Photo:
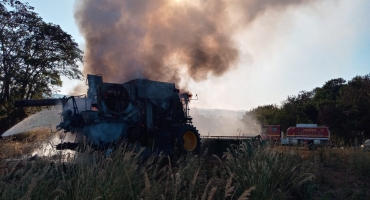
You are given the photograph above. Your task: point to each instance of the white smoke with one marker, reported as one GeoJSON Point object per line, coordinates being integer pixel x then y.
{"type": "Point", "coordinates": [218, 122]}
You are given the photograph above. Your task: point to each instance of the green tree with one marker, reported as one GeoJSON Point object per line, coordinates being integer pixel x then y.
{"type": "Point", "coordinates": [33, 57]}
{"type": "Point", "coordinates": [298, 109]}
{"type": "Point", "coordinates": [330, 91]}
{"type": "Point", "coordinates": [355, 104]}
{"type": "Point", "coordinates": [266, 114]}
{"type": "Point", "coordinates": [341, 105]}
{"type": "Point", "coordinates": [327, 100]}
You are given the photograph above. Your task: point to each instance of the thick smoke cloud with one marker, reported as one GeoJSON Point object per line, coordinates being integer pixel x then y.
{"type": "Point", "coordinates": [165, 40]}
{"type": "Point", "coordinates": [249, 10]}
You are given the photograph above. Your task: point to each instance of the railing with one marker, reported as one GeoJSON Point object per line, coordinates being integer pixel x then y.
{"type": "Point", "coordinates": [228, 137]}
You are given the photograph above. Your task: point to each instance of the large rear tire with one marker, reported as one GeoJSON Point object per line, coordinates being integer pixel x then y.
{"type": "Point", "coordinates": [188, 139]}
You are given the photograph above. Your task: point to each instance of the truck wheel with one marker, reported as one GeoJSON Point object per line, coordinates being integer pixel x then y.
{"type": "Point", "coordinates": [188, 139]}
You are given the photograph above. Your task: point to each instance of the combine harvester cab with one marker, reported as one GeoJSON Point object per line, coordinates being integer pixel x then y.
{"type": "Point", "coordinates": [150, 113]}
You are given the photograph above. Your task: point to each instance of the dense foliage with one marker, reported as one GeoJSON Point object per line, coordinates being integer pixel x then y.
{"type": "Point", "coordinates": [33, 57]}
{"type": "Point", "coordinates": [342, 105]}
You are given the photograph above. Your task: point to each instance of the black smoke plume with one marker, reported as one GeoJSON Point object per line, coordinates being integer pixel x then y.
{"type": "Point", "coordinates": [165, 40]}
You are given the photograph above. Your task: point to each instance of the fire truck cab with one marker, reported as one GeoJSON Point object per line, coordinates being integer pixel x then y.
{"type": "Point", "coordinates": [270, 132]}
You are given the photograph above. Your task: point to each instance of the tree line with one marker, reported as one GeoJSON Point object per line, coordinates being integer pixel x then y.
{"type": "Point", "coordinates": [343, 106]}
{"type": "Point", "coordinates": [33, 57]}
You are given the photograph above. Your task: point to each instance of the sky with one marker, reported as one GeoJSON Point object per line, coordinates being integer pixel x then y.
{"type": "Point", "coordinates": [281, 53]}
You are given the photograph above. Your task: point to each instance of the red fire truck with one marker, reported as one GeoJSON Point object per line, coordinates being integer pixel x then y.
{"type": "Point", "coordinates": [300, 134]}
{"type": "Point", "coordinates": [270, 132]}
{"type": "Point", "coordinates": [307, 134]}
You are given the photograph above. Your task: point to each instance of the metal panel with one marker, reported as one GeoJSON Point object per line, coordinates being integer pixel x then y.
{"type": "Point", "coordinates": [149, 115]}
{"type": "Point", "coordinates": [155, 89]}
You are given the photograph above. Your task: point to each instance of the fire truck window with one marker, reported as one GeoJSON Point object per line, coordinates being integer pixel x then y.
{"type": "Point", "coordinates": [274, 129]}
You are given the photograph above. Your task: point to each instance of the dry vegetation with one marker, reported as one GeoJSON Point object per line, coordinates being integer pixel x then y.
{"type": "Point", "coordinates": [23, 144]}
{"type": "Point", "coordinates": [243, 172]}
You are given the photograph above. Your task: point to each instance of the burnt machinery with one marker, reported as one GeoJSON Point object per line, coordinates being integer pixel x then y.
{"type": "Point", "coordinates": [151, 113]}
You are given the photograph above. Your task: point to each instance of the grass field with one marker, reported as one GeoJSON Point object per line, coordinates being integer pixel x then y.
{"type": "Point", "coordinates": [241, 173]}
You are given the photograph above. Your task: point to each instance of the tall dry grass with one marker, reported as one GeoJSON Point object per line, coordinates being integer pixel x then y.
{"type": "Point", "coordinates": [350, 159]}
{"type": "Point", "coordinates": [244, 172]}
{"type": "Point", "coordinates": [24, 144]}
{"type": "Point", "coordinates": [274, 174]}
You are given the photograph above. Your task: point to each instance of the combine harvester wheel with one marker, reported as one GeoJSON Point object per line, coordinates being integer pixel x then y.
{"type": "Point", "coordinates": [188, 139]}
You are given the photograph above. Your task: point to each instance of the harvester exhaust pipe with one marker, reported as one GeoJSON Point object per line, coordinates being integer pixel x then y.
{"type": "Point", "coordinates": [93, 81]}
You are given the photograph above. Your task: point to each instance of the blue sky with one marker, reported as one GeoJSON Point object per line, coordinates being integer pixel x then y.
{"type": "Point", "coordinates": [281, 53]}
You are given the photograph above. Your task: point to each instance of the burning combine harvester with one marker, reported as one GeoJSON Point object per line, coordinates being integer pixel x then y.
{"type": "Point", "coordinates": [151, 113]}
